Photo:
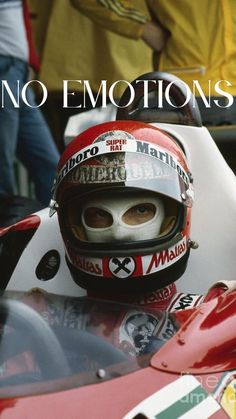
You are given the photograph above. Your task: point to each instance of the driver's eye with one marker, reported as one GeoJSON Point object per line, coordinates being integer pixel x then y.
{"type": "Point", "coordinates": [139, 214]}
{"type": "Point", "coordinates": [141, 209]}
{"type": "Point", "coordinates": [97, 218]}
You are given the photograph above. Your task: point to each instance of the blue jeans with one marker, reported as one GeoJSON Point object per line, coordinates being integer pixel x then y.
{"type": "Point", "coordinates": [25, 134]}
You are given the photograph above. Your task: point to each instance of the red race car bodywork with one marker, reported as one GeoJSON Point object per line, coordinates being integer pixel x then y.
{"type": "Point", "coordinates": [190, 373]}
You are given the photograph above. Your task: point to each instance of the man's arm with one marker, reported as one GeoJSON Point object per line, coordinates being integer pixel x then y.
{"type": "Point", "coordinates": [117, 16]}
{"type": "Point", "coordinates": [154, 36]}
{"type": "Point", "coordinates": [124, 19]}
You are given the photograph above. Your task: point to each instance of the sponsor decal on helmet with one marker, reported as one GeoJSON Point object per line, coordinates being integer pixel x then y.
{"type": "Point", "coordinates": [89, 265]}
{"type": "Point", "coordinates": [115, 137]}
{"type": "Point", "coordinates": [122, 267]}
{"type": "Point", "coordinates": [129, 145]}
{"type": "Point", "coordinates": [113, 169]}
{"type": "Point", "coordinates": [165, 258]}
{"type": "Point", "coordinates": [126, 267]}
{"type": "Point", "coordinates": [167, 158]}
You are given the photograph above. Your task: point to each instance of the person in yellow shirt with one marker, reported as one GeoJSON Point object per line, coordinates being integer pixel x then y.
{"type": "Point", "coordinates": [195, 40]}
{"type": "Point", "coordinates": [73, 47]}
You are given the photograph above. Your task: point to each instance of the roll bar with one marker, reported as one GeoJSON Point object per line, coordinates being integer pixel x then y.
{"type": "Point", "coordinates": [162, 98]}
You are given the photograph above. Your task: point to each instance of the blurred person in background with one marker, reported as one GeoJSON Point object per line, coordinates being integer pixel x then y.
{"type": "Point", "coordinates": [194, 40]}
{"type": "Point", "coordinates": [23, 130]}
{"type": "Point", "coordinates": [191, 39]}
{"type": "Point", "coordinates": [72, 47]}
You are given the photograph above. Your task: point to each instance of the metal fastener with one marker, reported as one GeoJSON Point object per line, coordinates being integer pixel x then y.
{"type": "Point", "coordinates": [101, 373]}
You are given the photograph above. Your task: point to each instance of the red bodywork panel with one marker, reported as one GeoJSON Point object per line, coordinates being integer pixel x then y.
{"type": "Point", "coordinates": [32, 221]}
{"type": "Point", "coordinates": [108, 400]}
{"type": "Point", "coordinates": [206, 343]}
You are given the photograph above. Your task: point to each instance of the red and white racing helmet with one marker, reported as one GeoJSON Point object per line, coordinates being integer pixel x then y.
{"type": "Point", "coordinates": [123, 194]}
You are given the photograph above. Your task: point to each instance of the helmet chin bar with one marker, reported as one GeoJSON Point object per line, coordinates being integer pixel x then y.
{"type": "Point", "coordinates": [136, 285]}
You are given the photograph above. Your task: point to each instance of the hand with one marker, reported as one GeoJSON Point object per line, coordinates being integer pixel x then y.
{"type": "Point", "coordinates": [154, 36]}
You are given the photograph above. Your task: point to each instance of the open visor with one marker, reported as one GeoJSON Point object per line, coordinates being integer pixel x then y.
{"type": "Point", "coordinates": [133, 170]}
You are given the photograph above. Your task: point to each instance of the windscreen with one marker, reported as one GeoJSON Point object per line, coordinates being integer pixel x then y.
{"type": "Point", "coordinates": [50, 343]}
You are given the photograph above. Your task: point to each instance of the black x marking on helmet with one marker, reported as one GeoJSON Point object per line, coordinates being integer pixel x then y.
{"type": "Point", "coordinates": [121, 265]}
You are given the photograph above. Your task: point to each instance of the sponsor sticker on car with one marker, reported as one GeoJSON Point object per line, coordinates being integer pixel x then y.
{"type": "Point", "coordinates": [183, 398]}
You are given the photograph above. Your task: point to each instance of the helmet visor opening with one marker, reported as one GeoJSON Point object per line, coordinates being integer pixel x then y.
{"type": "Point", "coordinates": [116, 215]}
